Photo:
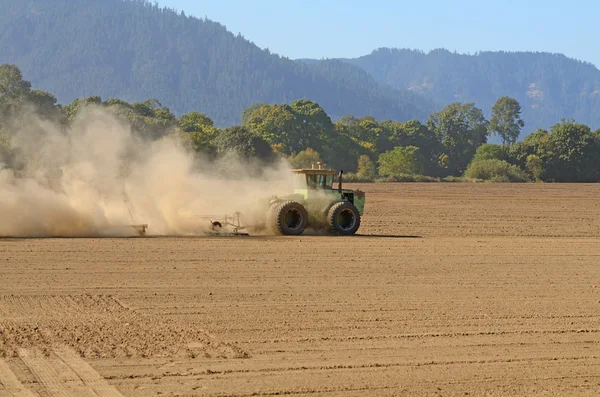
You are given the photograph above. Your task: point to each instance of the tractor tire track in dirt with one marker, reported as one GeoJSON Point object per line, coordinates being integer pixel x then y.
{"type": "Point", "coordinates": [61, 373]}
{"type": "Point", "coordinates": [88, 375]}
{"type": "Point", "coordinates": [98, 326]}
{"type": "Point", "coordinates": [11, 384]}
{"type": "Point", "coordinates": [44, 373]}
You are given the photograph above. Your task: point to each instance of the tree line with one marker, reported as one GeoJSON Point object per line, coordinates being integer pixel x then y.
{"type": "Point", "coordinates": [452, 144]}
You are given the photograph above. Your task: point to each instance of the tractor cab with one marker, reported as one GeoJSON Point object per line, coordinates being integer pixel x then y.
{"type": "Point", "coordinates": [313, 178]}
{"type": "Point", "coordinates": [317, 184]}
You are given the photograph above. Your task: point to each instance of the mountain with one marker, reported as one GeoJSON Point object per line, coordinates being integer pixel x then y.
{"type": "Point", "coordinates": [548, 86]}
{"type": "Point", "coordinates": [134, 50]}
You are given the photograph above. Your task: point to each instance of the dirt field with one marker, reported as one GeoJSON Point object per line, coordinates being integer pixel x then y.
{"type": "Point", "coordinates": [451, 290]}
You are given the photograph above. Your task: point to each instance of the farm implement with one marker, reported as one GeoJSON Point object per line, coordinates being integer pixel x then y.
{"type": "Point", "coordinates": [232, 225]}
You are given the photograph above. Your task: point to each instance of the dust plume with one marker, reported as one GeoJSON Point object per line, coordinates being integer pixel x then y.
{"type": "Point", "coordinates": [97, 178]}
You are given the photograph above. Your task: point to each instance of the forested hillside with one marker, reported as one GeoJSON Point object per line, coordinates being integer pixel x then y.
{"type": "Point", "coordinates": [548, 86]}
{"type": "Point", "coordinates": [135, 50]}
{"type": "Point", "coordinates": [451, 144]}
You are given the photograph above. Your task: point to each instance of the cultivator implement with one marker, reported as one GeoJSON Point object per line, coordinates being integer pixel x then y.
{"type": "Point", "coordinates": [227, 225]}
{"type": "Point", "coordinates": [232, 225]}
{"type": "Point", "coordinates": [140, 228]}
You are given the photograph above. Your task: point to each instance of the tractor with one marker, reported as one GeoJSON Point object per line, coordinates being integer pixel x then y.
{"type": "Point", "coordinates": [317, 204]}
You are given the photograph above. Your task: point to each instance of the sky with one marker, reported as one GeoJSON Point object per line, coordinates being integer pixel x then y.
{"type": "Point", "coordinates": [351, 28]}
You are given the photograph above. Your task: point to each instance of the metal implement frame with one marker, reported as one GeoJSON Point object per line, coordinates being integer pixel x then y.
{"type": "Point", "coordinates": [141, 228]}
{"type": "Point", "coordinates": [235, 221]}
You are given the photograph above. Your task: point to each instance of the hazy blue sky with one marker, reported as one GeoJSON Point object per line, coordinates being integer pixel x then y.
{"type": "Point", "coordinates": [350, 28]}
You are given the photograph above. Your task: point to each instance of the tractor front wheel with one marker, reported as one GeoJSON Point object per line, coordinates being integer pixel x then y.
{"type": "Point", "coordinates": [288, 218]}
{"type": "Point", "coordinates": [343, 218]}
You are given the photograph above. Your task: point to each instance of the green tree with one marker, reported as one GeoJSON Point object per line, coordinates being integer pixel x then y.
{"type": "Point", "coordinates": [13, 89]}
{"type": "Point", "coordinates": [537, 137]}
{"type": "Point", "coordinates": [276, 124]}
{"type": "Point", "coordinates": [534, 166]}
{"type": "Point", "coordinates": [305, 159]}
{"type": "Point", "coordinates": [5, 148]}
{"type": "Point", "coordinates": [312, 125]}
{"type": "Point", "coordinates": [495, 170]}
{"type": "Point", "coordinates": [164, 115]}
{"type": "Point", "coordinates": [366, 131]}
{"type": "Point", "coordinates": [591, 158]}
{"type": "Point", "coordinates": [147, 108]}
{"type": "Point", "coordinates": [400, 161]}
{"type": "Point", "coordinates": [297, 126]}
{"type": "Point", "coordinates": [366, 168]}
{"type": "Point", "coordinates": [117, 102]}
{"type": "Point", "coordinates": [5, 141]}
{"type": "Point", "coordinates": [42, 100]}
{"type": "Point", "coordinates": [78, 104]}
{"type": "Point", "coordinates": [569, 142]}
{"type": "Point", "coordinates": [342, 151]}
{"type": "Point", "coordinates": [199, 131]}
{"type": "Point", "coordinates": [413, 133]}
{"type": "Point", "coordinates": [517, 153]}
{"type": "Point", "coordinates": [461, 129]}
{"type": "Point", "coordinates": [490, 151]}
{"type": "Point", "coordinates": [242, 142]}
{"type": "Point", "coordinates": [247, 112]}
{"type": "Point", "coordinates": [194, 122]}
{"type": "Point", "coordinates": [506, 120]}
{"type": "Point", "coordinates": [148, 119]}
{"type": "Point", "coordinates": [537, 143]}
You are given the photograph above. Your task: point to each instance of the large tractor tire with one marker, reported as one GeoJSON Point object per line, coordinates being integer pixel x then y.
{"type": "Point", "coordinates": [343, 218]}
{"type": "Point", "coordinates": [288, 218]}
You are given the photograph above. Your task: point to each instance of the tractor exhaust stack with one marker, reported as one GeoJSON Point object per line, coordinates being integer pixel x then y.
{"type": "Point", "coordinates": [340, 181]}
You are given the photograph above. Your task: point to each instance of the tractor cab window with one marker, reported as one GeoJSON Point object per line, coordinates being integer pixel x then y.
{"type": "Point", "coordinates": [316, 181]}
{"type": "Point", "coordinates": [320, 181]}
{"type": "Point", "coordinates": [325, 181]}
{"type": "Point", "coordinates": [300, 181]}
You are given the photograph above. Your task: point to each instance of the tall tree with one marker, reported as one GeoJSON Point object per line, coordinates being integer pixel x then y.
{"type": "Point", "coordinates": [506, 120]}
{"type": "Point", "coordinates": [399, 161]}
{"type": "Point", "coordinates": [276, 124]}
{"type": "Point", "coordinates": [366, 168]}
{"type": "Point", "coordinates": [569, 142]}
{"type": "Point", "coordinates": [198, 129]}
{"type": "Point", "coordinates": [413, 133]}
{"type": "Point", "coordinates": [313, 124]}
{"type": "Point", "coordinates": [461, 128]}
{"type": "Point", "coordinates": [297, 126]}
{"type": "Point", "coordinates": [195, 122]}
{"type": "Point", "coordinates": [242, 142]}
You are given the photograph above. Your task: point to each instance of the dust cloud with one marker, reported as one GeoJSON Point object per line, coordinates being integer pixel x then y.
{"type": "Point", "coordinates": [97, 178]}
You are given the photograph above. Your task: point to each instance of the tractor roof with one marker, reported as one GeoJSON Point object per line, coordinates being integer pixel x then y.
{"type": "Point", "coordinates": [311, 171]}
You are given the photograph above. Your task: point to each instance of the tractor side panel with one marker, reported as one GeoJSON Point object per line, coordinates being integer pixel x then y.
{"type": "Point", "coordinates": [359, 202]}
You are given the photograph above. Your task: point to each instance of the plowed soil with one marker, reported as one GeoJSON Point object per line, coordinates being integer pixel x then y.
{"type": "Point", "coordinates": [450, 290]}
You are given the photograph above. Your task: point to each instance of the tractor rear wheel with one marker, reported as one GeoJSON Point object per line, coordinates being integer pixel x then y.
{"type": "Point", "coordinates": [288, 218]}
{"type": "Point", "coordinates": [343, 218]}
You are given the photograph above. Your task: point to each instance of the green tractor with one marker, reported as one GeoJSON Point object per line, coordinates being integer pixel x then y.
{"type": "Point", "coordinates": [317, 204]}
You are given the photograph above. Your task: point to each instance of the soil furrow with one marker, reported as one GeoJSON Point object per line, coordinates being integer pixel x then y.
{"type": "Point", "coordinates": [11, 384]}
